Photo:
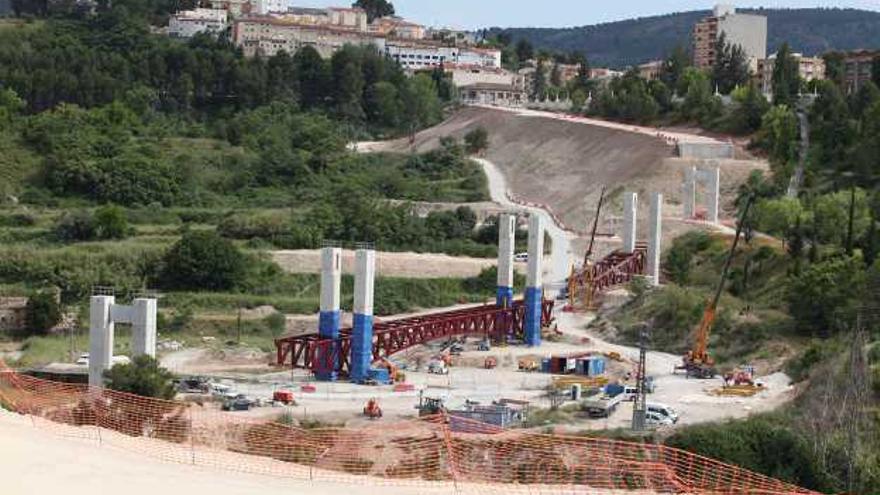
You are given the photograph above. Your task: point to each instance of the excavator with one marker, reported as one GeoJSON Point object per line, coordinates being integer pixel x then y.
{"type": "Point", "coordinates": [697, 363]}
{"type": "Point", "coordinates": [372, 409]}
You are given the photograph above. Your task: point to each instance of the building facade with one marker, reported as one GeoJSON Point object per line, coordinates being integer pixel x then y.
{"type": "Point", "coordinates": [493, 94]}
{"type": "Point", "coordinates": [746, 30]}
{"type": "Point", "coordinates": [651, 71]}
{"type": "Point", "coordinates": [858, 68]}
{"type": "Point", "coordinates": [470, 75]}
{"type": "Point", "coordinates": [264, 7]}
{"type": "Point", "coordinates": [270, 35]}
{"type": "Point", "coordinates": [809, 69]}
{"type": "Point", "coordinates": [396, 27]}
{"type": "Point", "coordinates": [421, 55]}
{"type": "Point", "coordinates": [235, 8]}
{"type": "Point", "coordinates": [188, 23]}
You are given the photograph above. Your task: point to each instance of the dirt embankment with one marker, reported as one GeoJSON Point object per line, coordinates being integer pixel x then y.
{"type": "Point", "coordinates": [405, 265]}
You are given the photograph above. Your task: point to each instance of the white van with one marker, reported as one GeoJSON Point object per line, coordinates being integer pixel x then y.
{"type": "Point", "coordinates": [664, 410]}
{"type": "Point", "coordinates": [521, 257]}
{"type": "Point", "coordinates": [655, 419]}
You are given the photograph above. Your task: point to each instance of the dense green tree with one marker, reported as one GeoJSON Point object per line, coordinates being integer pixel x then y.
{"type": "Point", "coordinates": [700, 104]}
{"type": "Point", "coordinates": [581, 80]}
{"type": "Point", "coordinates": [111, 222]}
{"type": "Point", "coordinates": [420, 103]}
{"type": "Point", "coordinates": [42, 313]}
{"type": "Point", "coordinates": [822, 298]}
{"type": "Point", "coordinates": [786, 77]}
{"type": "Point", "coordinates": [832, 212]}
{"type": "Point", "coordinates": [78, 225]}
{"type": "Point", "coordinates": [751, 106]}
{"type": "Point", "coordinates": [731, 68]}
{"type": "Point", "coordinates": [539, 85]}
{"type": "Point", "coordinates": [835, 67]}
{"type": "Point", "coordinates": [203, 261]}
{"type": "Point", "coordinates": [778, 216]}
{"type": "Point", "coordinates": [314, 77]}
{"type": "Point", "coordinates": [143, 376]}
{"type": "Point", "coordinates": [627, 98]}
{"type": "Point", "coordinates": [524, 50]}
{"type": "Point", "coordinates": [383, 105]}
{"type": "Point", "coordinates": [833, 130]}
{"type": "Point", "coordinates": [556, 76]}
{"type": "Point", "coordinates": [779, 135]}
{"type": "Point", "coordinates": [349, 83]}
{"type": "Point", "coordinates": [673, 69]}
{"type": "Point", "coordinates": [375, 8]}
{"type": "Point", "coordinates": [862, 100]}
{"type": "Point", "coordinates": [875, 70]}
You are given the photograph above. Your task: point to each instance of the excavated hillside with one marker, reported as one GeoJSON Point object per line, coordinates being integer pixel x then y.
{"type": "Point", "coordinates": [564, 164]}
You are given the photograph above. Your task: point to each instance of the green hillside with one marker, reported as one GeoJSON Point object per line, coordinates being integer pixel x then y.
{"type": "Point", "coordinates": [618, 44]}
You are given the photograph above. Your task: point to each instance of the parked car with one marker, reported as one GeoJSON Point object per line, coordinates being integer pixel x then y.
{"type": "Point", "coordinates": [238, 403]}
{"type": "Point", "coordinates": [654, 419]}
{"type": "Point", "coordinates": [663, 410]}
{"type": "Point", "coordinates": [521, 257]}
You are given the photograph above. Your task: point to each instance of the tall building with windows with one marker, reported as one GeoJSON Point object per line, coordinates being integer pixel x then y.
{"type": "Point", "coordinates": [746, 30]}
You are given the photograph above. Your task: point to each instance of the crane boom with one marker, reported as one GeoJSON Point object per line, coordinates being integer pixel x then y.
{"type": "Point", "coordinates": [698, 361]}
{"type": "Point", "coordinates": [589, 252]}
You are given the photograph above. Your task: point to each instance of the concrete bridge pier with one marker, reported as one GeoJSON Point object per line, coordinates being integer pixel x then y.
{"type": "Point", "coordinates": [630, 211]}
{"type": "Point", "coordinates": [655, 238]}
{"type": "Point", "coordinates": [506, 244]}
{"type": "Point", "coordinates": [329, 317]}
{"type": "Point", "coordinates": [362, 332]}
{"type": "Point", "coordinates": [100, 338]}
{"type": "Point", "coordinates": [534, 287]}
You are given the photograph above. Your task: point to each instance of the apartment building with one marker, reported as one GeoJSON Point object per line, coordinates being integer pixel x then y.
{"type": "Point", "coordinates": [470, 75]}
{"type": "Point", "coordinates": [651, 71]}
{"type": "Point", "coordinates": [493, 94]}
{"type": "Point", "coordinates": [188, 23]}
{"type": "Point", "coordinates": [235, 8]}
{"type": "Point", "coordinates": [746, 30]}
{"type": "Point", "coordinates": [269, 35]}
{"type": "Point", "coordinates": [420, 55]}
{"type": "Point", "coordinates": [809, 69]}
{"type": "Point", "coordinates": [264, 7]}
{"type": "Point", "coordinates": [353, 19]}
{"type": "Point", "coordinates": [397, 27]}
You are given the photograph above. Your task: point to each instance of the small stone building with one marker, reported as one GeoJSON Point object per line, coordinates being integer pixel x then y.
{"type": "Point", "coordinates": [12, 313]}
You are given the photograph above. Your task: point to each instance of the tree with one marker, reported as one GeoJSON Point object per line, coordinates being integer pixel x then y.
{"type": "Point", "coordinates": [348, 82]}
{"type": "Point", "coordinates": [779, 135]}
{"type": "Point", "coordinates": [556, 76]}
{"type": "Point", "coordinates": [786, 77]}
{"type": "Point", "coordinates": [383, 105]}
{"type": "Point", "coordinates": [110, 223]}
{"type": "Point", "coordinates": [375, 9]}
{"type": "Point", "coordinates": [524, 50]}
{"type": "Point", "coordinates": [673, 69]}
{"type": "Point", "coordinates": [142, 376]}
{"type": "Point", "coordinates": [875, 70]}
{"type": "Point", "coordinates": [202, 260]}
{"type": "Point", "coordinates": [78, 225]}
{"type": "Point", "coordinates": [314, 77]}
{"type": "Point", "coordinates": [539, 87]}
{"type": "Point", "coordinates": [822, 298]}
{"type": "Point", "coordinates": [778, 216]}
{"type": "Point", "coordinates": [42, 313]}
{"type": "Point", "coordinates": [835, 67]}
{"type": "Point", "coordinates": [421, 107]}
{"type": "Point", "coordinates": [477, 140]}
{"type": "Point", "coordinates": [832, 130]}
{"type": "Point", "coordinates": [751, 106]}
{"type": "Point", "coordinates": [731, 67]}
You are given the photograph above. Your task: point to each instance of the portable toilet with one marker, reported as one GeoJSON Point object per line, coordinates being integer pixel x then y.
{"type": "Point", "coordinates": [576, 392]}
{"type": "Point", "coordinates": [545, 365]}
{"type": "Point", "coordinates": [596, 367]}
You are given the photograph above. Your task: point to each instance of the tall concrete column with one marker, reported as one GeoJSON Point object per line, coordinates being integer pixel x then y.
{"type": "Point", "coordinates": [654, 240]}
{"type": "Point", "coordinates": [362, 334]}
{"type": "Point", "coordinates": [630, 212]}
{"type": "Point", "coordinates": [100, 338]}
{"type": "Point", "coordinates": [689, 191]}
{"type": "Point", "coordinates": [534, 285]}
{"type": "Point", "coordinates": [506, 244]}
{"type": "Point", "coordinates": [329, 317]}
{"type": "Point", "coordinates": [143, 327]}
{"type": "Point", "coordinates": [713, 193]}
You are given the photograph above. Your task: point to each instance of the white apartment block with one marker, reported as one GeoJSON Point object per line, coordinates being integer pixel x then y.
{"type": "Point", "coordinates": [188, 23]}
{"type": "Point", "coordinates": [263, 7]}
{"type": "Point", "coordinates": [270, 35]}
{"type": "Point", "coordinates": [746, 30]}
{"type": "Point", "coordinates": [354, 19]}
{"type": "Point", "coordinates": [235, 8]}
{"type": "Point", "coordinates": [396, 27]}
{"type": "Point", "coordinates": [421, 56]}
{"type": "Point", "coordinates": [469, 76]}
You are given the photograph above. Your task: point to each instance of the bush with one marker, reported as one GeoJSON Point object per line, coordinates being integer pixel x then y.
{"type": "Point", "coordinates": [42, 313]}
{"type": "Point", "coordinates": [276, 323]}
{"type": "Point", "coordinates": [203, 261]}
{"type": "Point", "coordinates": [822, 298]}
{"type": "Point", "coordinates": [143, 376]}
{"type": "Point", "coordinates": [76, 226]}
{"type": "Point", "coordinates": [477, 140]}
{"type": "Point", "coordinates": [110, 223]}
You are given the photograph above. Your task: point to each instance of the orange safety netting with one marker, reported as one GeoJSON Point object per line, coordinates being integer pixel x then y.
{"type": "Point", "coordinates": [465, 456]}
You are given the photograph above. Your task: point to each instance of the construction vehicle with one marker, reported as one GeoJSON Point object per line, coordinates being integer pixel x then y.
{"type": "Point", "coordinates": [697, 363]}
{"type": "Point", "coordinates": [430, 406]}
{"type": "Point", "coordinates": [372, 409]}
{"type": "Point", "coordinates": [602, 406]}
{"type": "Point", "coordinates": [283, 397]}
{"type": "Point", "coordinates": [438, 367]}
{"type": "Point", "coordinates": [490, 363]}
{"type": "Point", "coordinates": [529, 365]}
{"type": "Point", "coordinates": [738, 378]}
{"type": "Point", "coordinates": [394, 372]}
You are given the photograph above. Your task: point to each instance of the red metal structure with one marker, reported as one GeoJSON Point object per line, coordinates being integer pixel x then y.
{"type": "Point", "coordinates": [390, 337]}
{"type": "Point", "coordinates": [614, 270]}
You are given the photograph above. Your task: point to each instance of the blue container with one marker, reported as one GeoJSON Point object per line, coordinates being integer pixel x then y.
{"type": "Point", "coordinates": [613, 389]}
{"type": "Point", "coordinates": [381, 375]}
{"type": "Point", "coordinates": [596, 367]}
{"type": "Point", "coordinates": [545, 365]}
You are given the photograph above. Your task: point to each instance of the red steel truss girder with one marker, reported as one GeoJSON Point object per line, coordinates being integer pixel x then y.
{"type": "Point", "coordinates": [615, 269]}
{"type": "Point", "coordinates": [317, 354]}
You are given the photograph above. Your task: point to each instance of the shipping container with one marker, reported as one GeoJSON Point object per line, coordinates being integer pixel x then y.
{"type": "Point", "coordinates": [596, 367]}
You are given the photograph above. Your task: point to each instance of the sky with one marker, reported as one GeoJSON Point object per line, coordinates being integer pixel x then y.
{"type": "Point", "coordinates": [474, 14]}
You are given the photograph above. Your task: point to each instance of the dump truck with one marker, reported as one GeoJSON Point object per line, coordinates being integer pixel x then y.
{"type": "Point", "coordinates": [602, 405]}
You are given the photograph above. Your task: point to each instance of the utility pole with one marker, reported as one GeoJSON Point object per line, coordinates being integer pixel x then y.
{"type": "Point", "coordinates": [640, 406]}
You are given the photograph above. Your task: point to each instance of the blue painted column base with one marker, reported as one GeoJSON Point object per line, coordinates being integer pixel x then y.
{"type": "Point", "coordinates": [361, 348]}
{"type": "Point", "coordinates": [328, 328]}
{"type": "Point", "coordinates": [504, 297]}
{"type": "Point", "coordinates": [532, 323]}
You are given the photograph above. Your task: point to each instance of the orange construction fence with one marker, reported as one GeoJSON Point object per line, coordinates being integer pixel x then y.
{"type": "Point", "coordinates": [466, 457]}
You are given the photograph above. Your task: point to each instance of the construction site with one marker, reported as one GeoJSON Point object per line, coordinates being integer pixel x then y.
{"type": "Point", "coordinates": [491, 397]}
